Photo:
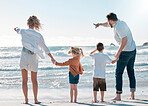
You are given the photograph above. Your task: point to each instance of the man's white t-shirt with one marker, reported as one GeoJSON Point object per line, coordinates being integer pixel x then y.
{"type": "Point", "coordinates": [121, 30]}
{"type": "Point", "coordinates": [101, 60]}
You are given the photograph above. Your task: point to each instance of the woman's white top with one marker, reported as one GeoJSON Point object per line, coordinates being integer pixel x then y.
{"type": "Point", "coordinates": [33, 41]}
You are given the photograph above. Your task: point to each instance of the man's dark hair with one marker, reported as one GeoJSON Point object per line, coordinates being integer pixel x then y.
{"type": "Point", "coordinates": [112, 16]}
{"type": "Point", "coordinates": [100, 47]}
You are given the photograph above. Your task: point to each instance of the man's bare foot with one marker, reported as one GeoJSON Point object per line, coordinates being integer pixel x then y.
{"type": "Point", "coordinates": [116, 99]}
{"type": "Point", "coordinates": [37, 102]}
{"type": "Point", "coordinates": [132, 95]}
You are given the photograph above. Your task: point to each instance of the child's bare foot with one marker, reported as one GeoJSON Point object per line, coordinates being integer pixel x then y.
{"type": "Point", "coordinates": [37, 102]}
{"type": "Point", "coordinates": [116, 99]}
{"type": "Point", "coordinates": [96, 101]}
{"type": "Point", "coordinates": [131, 98]}
{"type": "Point", "coordinates": [75, 101]}
{"type": "Point", "coordinates": [102, 101]}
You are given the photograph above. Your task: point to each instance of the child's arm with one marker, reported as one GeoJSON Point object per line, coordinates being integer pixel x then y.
{"type": "Point", "coordinates": [66, 63]}
{"type": "Point", "coordinates": [93, 51]}
{"type": "Point", "coordinates": [114, 61]}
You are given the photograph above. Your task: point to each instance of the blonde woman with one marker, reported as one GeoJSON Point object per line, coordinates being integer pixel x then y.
{"type": "Point", "coordinates": [33, 47]}
{"type": "Point", "coordinates": [75, 68]}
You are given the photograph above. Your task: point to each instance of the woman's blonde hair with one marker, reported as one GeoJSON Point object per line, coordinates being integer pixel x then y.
{"type": "Point", "coordinates": [77, 51]}
{"type": "Point", "coordinates": [33, 21]}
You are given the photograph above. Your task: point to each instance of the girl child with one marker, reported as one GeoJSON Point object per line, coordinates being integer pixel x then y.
{"type": "Point", "coordinates": [33, 46]}
{"type": "Point", "coordinates": [75, 68]}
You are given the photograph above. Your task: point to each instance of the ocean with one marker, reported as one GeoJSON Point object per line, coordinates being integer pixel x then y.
{"type": "Point", "coordinates": [56, 77]}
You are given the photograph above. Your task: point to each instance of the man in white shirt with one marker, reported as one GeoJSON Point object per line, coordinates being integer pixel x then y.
{"type": "Point", "coordinates": [126, 52]}
{"type": "Point", "coordinates": [101, 60]}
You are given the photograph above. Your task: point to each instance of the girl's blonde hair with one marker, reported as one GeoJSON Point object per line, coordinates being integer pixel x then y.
{"type": "Point", "coordinates": [33, 21]}
{"type": "Point", "coordinates": [77, 51]}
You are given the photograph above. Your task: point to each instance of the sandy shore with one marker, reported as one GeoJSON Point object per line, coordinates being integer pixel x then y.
{"type": "Point", "coordinates": [60, 97]}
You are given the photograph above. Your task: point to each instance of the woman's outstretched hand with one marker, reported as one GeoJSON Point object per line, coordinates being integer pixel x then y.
{"type": "Point", "coordinates": [15, 28]}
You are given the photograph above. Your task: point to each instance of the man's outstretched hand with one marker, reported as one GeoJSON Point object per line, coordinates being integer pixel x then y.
{"type": "Point", "coordinates": [96, 25]}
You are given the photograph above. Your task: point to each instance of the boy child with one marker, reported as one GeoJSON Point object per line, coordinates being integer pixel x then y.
{"type": "Point", "coordinates": [101, 60]}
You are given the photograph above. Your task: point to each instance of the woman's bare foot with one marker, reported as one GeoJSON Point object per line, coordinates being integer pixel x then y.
{"type": "Point", "coordinates": [37, 102]}
{"type": "Point", "coordinates": [26, 101]}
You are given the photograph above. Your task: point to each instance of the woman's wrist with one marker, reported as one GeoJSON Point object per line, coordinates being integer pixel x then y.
{"type": "Point", "coordinates": [54, 62]}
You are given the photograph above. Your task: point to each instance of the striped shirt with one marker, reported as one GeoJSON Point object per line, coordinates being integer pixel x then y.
{"type": "Point", "coordinates": [74, 64]}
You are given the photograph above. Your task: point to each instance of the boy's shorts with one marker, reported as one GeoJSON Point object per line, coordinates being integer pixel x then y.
{"type": "Point", "coordinates": [99, 83]}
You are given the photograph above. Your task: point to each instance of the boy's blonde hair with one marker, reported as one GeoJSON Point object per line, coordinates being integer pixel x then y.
{"type": "Point", "coordinates": [77, 51]}
{"type": "Point", "coordinates": [33, 21]}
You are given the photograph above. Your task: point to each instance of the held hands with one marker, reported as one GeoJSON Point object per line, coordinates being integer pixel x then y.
{"type": "Point", "coordinates": [117, 59]}
{"type": "Point", "coordinates": [96, 25]}
{"type": "Point", "coordinates": [114, 61]}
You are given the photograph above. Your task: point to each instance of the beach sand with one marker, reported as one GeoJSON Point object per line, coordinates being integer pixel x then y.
{"type": "Point", "coordinates": [60, 97]}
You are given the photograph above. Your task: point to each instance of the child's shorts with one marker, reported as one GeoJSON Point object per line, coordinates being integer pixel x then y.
{"type": "Point", "coordinates": [72, 79]}
{"type": "Point", "coordinates": [99, 83]}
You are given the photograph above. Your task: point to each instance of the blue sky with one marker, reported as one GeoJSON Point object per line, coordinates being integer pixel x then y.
{"type": "Point", "coordinates": [70, 22]}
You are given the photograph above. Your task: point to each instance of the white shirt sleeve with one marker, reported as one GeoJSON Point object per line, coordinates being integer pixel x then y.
{"type": "Point", "coordinates": [108, 60]}
{"type": "Point", "coordinates": [43, 45]}
{"type": "Point", "coordinates": [19, 31]}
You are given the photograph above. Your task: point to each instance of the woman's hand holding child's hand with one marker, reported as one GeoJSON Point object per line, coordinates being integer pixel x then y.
{"type": "Point", "coordinates": [53, 61]}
